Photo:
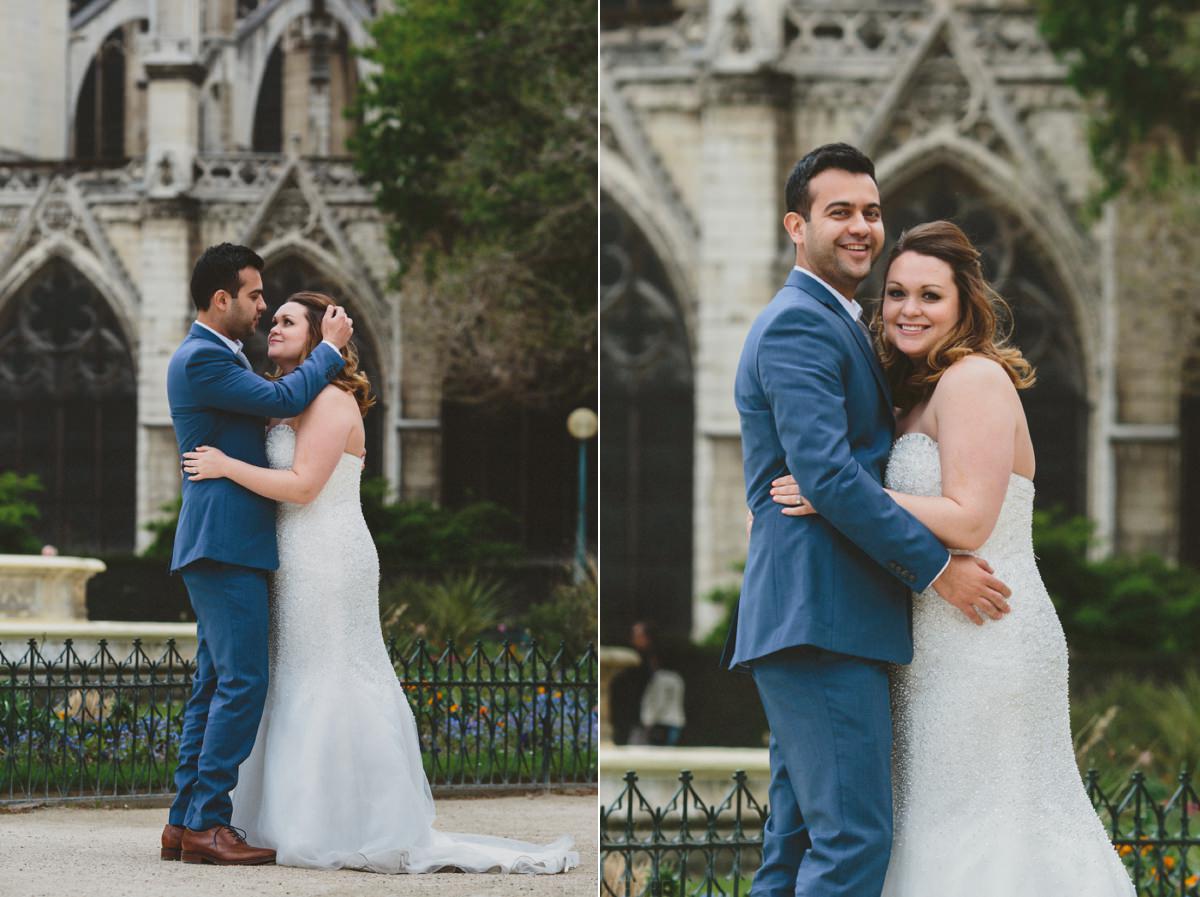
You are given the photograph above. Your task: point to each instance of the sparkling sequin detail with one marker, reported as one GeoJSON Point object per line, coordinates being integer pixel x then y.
{"type": "Point", "coordinates": [335, 778]}
{"type": "Point", "coordinates": [988, 799]}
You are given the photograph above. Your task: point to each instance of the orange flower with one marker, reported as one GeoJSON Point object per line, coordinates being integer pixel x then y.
{"type": "Point", "coordinates": [1169, 862]}
{"type": "Point", "coordinates": [453, 707]}
{"type": "Point", "coordinates": [558, 694]}
{"type": "Point", "coordinates": [541, 689]}
{"type": "Point", "coordinates": [483, 709]}
{"type": "Point", "coordinates": [1191, 880]}
{"type": "Point", "coordinates": [1125, 850]}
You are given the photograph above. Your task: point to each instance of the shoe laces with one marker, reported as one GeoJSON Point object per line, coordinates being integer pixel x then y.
{"type": "Point", "coordinates": [239, 834]}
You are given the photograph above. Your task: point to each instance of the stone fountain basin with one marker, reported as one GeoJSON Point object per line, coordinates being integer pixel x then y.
{"type": "Point", "coordinates": [45, 599]}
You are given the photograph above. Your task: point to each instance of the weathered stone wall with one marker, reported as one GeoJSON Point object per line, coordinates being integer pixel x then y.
{"type": "Point", "coordinates": [136, 231]}
{"type": "Point", "coordinates": [702, 118]}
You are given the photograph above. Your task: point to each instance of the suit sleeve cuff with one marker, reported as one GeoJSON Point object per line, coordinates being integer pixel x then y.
{"type": "Point", "coordinates": [949, 558]}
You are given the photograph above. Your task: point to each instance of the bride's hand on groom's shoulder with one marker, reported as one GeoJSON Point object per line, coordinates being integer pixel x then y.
{"type": "Point", "coordinates": [205, 463]}
{"type": "Point", "coordinates": [786, 491]}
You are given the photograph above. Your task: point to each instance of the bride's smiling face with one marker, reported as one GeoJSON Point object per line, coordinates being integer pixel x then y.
{"type": "Point", "coordinates": [289, 334]}
{"type": "Point", "coordinates": [920, 304]}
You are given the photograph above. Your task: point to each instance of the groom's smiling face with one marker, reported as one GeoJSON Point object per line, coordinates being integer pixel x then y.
{"type": "Point", "coordinates": [843, 233]}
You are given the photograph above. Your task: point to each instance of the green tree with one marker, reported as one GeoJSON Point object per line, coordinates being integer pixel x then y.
{"type": "Point", "coordinates": [479, 130]}
{"type": "Point", "coordinates": [1141, 62]}
{"type": "Point", "coordinates": [17, 513]}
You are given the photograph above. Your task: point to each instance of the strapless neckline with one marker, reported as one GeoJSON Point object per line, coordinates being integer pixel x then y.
{"type": "Point", "coordinates": [934, 443]}
{"type": "Point", "coordinates": [271, 429]}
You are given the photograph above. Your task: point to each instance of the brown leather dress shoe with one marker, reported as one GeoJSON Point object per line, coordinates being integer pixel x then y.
{"type": "Point", "coordinates": [172, 836]}
{"type": "Point", "coordinates": [222, 845]}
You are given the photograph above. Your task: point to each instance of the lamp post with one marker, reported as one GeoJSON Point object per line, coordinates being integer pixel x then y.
{"type": "Point", "coordinates": [582, 425]}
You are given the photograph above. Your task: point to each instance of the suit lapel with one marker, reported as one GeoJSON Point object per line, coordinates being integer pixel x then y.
{"type": "Point", "coordinates": [814, 288]}
{"type": "Point", "coordinates": [204, 333]}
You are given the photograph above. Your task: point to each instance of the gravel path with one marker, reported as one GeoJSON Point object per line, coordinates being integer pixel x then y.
{"type": "Point", "coordinates": [69, 851]}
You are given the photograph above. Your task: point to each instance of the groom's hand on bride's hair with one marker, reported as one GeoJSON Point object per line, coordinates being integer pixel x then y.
{"type": "Point", "coordinates": [970, 584]}
{"type": "Point", "coordinates": [786, 491]}
{"type": "Point", "coordinates": [337, 327]}
{"type": "Point", "coordinates": [205, 463]}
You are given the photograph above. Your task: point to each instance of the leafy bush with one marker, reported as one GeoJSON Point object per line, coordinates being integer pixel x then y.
{"type": "Point", "coordinates": [459, 607]}
{"type": "Point", "coordinates": [567, 617]}
{"type": "Point", "coordinates": [727, 598]}
{"type": "Point", "coordinates": [408, 533]}
{"type": "Point", "coordinates": [17, 513]}
{"type": "Point", "coordinates": [1131, 723]}
{"type": "Point", "coordinates": [423, 535]}
{"type": "Point", "coordinates": [1134, 611]}
{"type": "Point", "coordinates": [164, 531]}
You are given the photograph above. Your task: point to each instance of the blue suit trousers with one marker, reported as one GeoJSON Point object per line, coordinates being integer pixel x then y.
{"type": "Point", "coordinates": [829, 833]}
{"type": "Point", "coordinates": [230, 687]}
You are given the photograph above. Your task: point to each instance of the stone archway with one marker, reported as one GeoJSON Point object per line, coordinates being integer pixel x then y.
{"type": "Point", "coordinates": [311, 58]}
{"type": "Point", "coordinates": [647, 441]}
{"type": "Point", "coordinates": [289, 273]}
{"type": "Point", "coordinates": [1043, 323]}
{"type": "Point", "coordinates": [109, 110]}
{"type": "Point", "coordinates": [68, 399]}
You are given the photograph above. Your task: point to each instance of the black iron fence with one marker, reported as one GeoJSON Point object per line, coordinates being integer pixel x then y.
{"type": "Point", "coordinates": [691, 847]}
{"type": "Point", "coordinates": [493, 718]}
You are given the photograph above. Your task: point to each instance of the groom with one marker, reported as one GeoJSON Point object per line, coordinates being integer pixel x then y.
{"type": "Point", "coordinates": [225, 541]}
{"type": "Point", "coordinates": [825, 601]}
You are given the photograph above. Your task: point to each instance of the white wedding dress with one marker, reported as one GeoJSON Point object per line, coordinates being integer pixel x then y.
{"type": "Point", "coordinates": [988, 799]}
{"type": "Point", "coordinates": [335, 778]}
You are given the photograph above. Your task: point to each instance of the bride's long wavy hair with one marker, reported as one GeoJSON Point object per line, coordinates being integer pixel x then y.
{"type": "Point", "coordinates": [984, 320]}
{"type": "Point", "coordinates": [350, 378]}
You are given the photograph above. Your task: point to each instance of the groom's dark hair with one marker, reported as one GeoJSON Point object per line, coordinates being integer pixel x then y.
{"type": "Point", "coordinates": [217, 269]}
{"type": "Point", "coordinates": [841, 156]}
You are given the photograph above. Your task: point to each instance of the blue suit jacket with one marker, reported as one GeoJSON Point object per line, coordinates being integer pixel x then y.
{"type": "Point", "coordinates": [215, 401]}
{"type": "Point", "coordinates": [813, 400]}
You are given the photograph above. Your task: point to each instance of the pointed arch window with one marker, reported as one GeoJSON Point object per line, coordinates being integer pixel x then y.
{"type": "Point", "coordinates": [308, 82]}
{"type": "Point", "coordinates": [108, 111]}
{"type": "Point", "coordinates": [68, 399]}
{"type": "Point", "coordinates": [646, 378]}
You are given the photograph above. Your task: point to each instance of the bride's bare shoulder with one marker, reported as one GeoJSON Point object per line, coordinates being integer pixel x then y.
{"type": "Point", "coordinates": [330, 403]}
{"type": "Point", "coordinates": [975, 374]}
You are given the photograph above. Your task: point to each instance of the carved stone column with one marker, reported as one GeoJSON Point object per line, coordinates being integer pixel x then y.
{"type": "Point", "coordinates": [173, 78]}
{"type": "Point", "coordinates": [308, 112]}
{"type": "Point", "coordinates": [168, 251]}
{"type": "Point", "coordinates": [744, 135]}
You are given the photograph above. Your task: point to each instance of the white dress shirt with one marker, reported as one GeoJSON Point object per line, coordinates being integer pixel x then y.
{"type": "Point", "coordinates": [235, 345]}
{"type": "Point", "coordinates": [852, 307]}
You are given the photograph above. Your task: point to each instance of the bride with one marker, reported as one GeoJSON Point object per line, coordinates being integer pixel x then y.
{"type": "Point", "coordinates": [335, 778]}
{"type": "Point", "coordinates": [988, 799]}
